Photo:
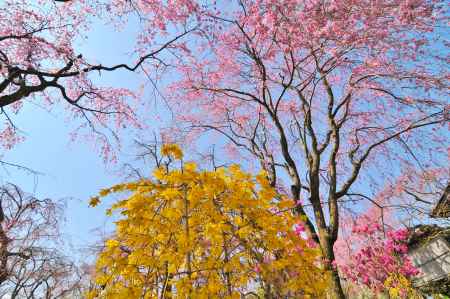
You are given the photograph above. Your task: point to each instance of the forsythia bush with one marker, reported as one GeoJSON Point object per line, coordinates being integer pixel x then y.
{"type": "Point", "coordinates": [205, 234]}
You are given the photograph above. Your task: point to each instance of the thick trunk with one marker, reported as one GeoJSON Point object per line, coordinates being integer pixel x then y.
{"type": "Point", "coordinates": [326, 244]}
{"type": "Point", "coordinates": [336, 291]}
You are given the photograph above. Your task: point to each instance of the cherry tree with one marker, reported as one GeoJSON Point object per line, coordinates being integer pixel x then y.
{"type": "Point", "coordinates": [39, 61]}
{"type": "Point", "coordinates": [331, 98]}
{"type": "Point", "coordinates": [31, 265]}
{"type": "Point", "coordinates": [48, 274]}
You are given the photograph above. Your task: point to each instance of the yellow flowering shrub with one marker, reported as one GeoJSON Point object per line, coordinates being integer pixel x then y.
{"type": "Point", "coordinates": [205, 234]}
{"type": "Point", "coordinates": [400, 286]}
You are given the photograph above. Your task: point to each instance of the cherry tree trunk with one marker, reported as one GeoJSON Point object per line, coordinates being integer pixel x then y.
{"type": "Point", "coordinates": [335, 290]}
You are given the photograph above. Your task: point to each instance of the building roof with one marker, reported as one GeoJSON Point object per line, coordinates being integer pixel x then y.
{"type": "Point", "coordinates": [442, 208]}
{"type": "Point", "coordinates": [423, 234]}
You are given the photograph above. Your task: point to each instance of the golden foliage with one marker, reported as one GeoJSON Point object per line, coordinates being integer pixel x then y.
{"type": "Point", "coordinates": [205, 234]}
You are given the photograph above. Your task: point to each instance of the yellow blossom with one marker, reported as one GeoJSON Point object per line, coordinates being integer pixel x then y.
{"type": "Point", "coordinates": [112, 243]}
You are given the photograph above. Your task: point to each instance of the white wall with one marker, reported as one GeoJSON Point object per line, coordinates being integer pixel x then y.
{"type": "Point", "coordinates": [432, 259]}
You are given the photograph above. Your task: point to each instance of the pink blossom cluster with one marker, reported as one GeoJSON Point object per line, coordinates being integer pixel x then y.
{"type": "Point", "coordinates": [300, 230]}
{"type": "Point", "coordinates": [383, 256]}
